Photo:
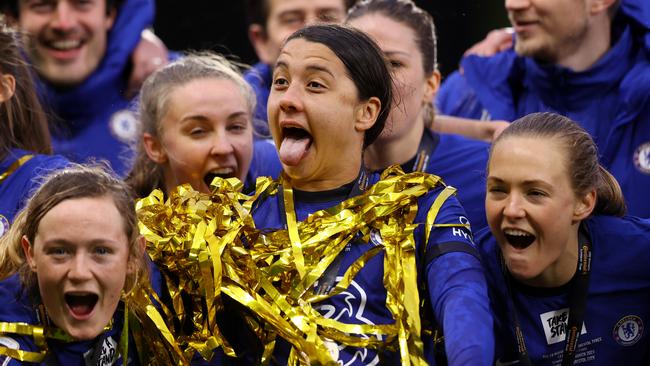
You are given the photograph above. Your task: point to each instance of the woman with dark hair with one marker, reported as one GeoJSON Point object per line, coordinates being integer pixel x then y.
{"type": "Point", "coordinates": [567, 270]}
{"type": "Point", "coordinates": [25, 139]}
{"type": "Point", "coordinates": [331, 96]}
{"type": "Point", "coordinates": [407, 36]}
{"type": "Point", "coordinates": [75, 278]}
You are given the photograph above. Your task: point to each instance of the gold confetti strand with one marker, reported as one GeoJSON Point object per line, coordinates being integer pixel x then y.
{"type": "Point", "coordinates": [296, 249]}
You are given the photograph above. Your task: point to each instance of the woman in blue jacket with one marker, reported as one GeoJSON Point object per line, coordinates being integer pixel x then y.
{"type": "Point", "coordinates": [75, 278]}
{"type": "Point", "coordinates": [407, 36]}
{"type": "Point", "coordinates": [25, 147]}
{"type": "Point", "coordinates": [567, 270]}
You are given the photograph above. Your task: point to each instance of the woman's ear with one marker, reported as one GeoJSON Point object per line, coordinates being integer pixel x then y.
{"type": "Point", "coordinates": [29, 254]}
{"type": "Point", "coordinates": [7, 87]}
{"type": "Point", "coordinates": [366, 114]}
{"type": "Point", "coordinates": [431, 86]}
{"type": "Point", "coordinates": [584, 206]}
{"type": "Point", "coordinates": [154, 148]}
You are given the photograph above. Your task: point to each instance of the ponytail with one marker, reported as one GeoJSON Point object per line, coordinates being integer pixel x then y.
{"type": "Point", "coordinates": [610, 200]}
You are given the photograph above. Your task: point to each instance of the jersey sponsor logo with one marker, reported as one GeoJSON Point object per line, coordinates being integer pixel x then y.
{"type": "Point", "coordinates": [642, 158]}
{"type": "Point", "coordinates": [628, 330]}
{"type": "Point", "coordinates": [4, 225]}
{"type": "Point", "coordinates": [555, 325]}
{"type": "Point", "coordinates": [462, 232]}
{"type": "Point", "coordinates": [124, 125]}
{"type": "Point", "coordinates": [355, 299]}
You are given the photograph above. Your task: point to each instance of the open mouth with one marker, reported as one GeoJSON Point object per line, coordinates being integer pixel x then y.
{"type": "Point", "coordinates": [519, 239]}
{"type": "Point", "coordinates": [221, 173]}
{"type": "Point", "coordinates": [295, 145]}
{"type": "Point", "coordinates": [81, 304]}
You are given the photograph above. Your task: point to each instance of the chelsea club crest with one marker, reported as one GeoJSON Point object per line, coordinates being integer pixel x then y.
{"type": "Point", "coordinates": [124, 125]}
{"type": "Point", "coordinates": [642, 158]}
{"type": "Point", "coordinates": [628, 330]}
{"type": "Point", "coordinates": [4, 225]}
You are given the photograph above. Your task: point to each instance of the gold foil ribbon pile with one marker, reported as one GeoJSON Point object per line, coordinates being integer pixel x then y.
{"type": "Point", "coordinates": [207, 244]}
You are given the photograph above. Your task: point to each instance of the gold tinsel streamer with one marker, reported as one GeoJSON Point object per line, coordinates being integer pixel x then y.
{"type": "Point", "coordinates": [207, 244]}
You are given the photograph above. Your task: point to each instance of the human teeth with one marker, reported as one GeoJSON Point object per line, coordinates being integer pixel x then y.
{"type": "Point", "coordinates": [65, 44]}
{"type": "Point", "coordinates": [515, 232]}
{"type": "Point", "coordinates": [221, 171]}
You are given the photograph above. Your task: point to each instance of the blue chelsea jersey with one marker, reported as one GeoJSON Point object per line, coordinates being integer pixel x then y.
{"type": "Point", "coordinates": [617, 313]}
{"type": "Point", "coordinates": [455, 282]}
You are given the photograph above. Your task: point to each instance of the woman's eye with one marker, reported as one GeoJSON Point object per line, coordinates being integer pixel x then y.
{"type": "Point", "coordinates": [396, 64]}
{"type": "Point", "coordinates": [315, 85]}
{"type": "Point", "coordinates": [280, 81]}
{"type": "Point", "coordinates": [196, 131]}
{"type": "Point", "coordinates": [57, 252]}
{"type": "Point", "coordinates": [102, 250]}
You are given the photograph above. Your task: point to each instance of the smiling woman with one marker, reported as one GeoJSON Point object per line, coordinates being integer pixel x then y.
{"type": "Point", "coordinates": [567, 270]}
{"type": "Point", "coordinates": [74, 273]}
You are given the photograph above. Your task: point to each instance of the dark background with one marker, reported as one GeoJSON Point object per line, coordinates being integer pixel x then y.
{"type": "Point", "coordinates": [221, 26]}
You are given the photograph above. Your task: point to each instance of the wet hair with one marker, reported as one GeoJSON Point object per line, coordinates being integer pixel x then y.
{"type": "Point", "coordinates": [258, 11]}
{"type": "Point", "coordinates": [22, 120]}
{"type": "Point", "coordinates": [364, 62]}
{"type": "Point", "coordinates": [581, 153]}
{"type": "Point", "coordinates": [73, 182]}
{"type": "Point", "coordinates": [11, 8]}
{"type": "Point", "coordinates": [418, 20]}
{"type": "Point", "coordinates": [146, 175]}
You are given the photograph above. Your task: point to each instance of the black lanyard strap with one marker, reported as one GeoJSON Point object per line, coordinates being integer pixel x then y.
{"type": "Point", "coordinates": [577, 303]}
{"type": "Point", "coordinates": [428, 144]}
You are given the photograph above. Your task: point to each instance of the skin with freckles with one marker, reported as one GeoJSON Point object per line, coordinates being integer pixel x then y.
{"type": "Point", "coordinates": [206, 131]}
{"type": "Point", "coordinates": [529, 194]}
{"type": "Point", "coordinates": [80, 256]}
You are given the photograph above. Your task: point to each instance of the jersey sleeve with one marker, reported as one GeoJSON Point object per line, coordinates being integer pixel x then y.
{"type": "Point", "coordinates": [457, 289]}
{"type": "Point", "coordinates": [457, 98]}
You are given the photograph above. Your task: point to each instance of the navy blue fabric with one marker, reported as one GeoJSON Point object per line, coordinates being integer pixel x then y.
{"type": "Point", "coordinates": [19, 186]}
{"type": "Point", "coordinates": [618, 301]}
{"type": "Point", "coordinates": [455, 283]}
{"type": "Point", "coordinates": [611, 100]}
{"type": "Point", "coordinates": [93, 120]}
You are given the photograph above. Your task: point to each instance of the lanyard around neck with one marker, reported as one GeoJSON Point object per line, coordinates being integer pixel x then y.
{"type": "Point", "coordinates": [577, 301]}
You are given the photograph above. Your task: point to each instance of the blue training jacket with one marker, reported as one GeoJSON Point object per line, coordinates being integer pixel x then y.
{"type": "Point", "coordinates": [93, 119]}
{"type": "Point", "coordinates": [260, 77]}
{"type": "Point", "coordinates": [611, 100]}
{"type": "Point", "coordinates": [617, 313]}
{"type": "Point", "coordinates": [19, 185]}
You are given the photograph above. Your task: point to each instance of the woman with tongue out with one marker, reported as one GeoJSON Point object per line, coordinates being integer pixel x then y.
{"type": "Point", "coordinates": [73, 267]}
{"type": "Point", "coordinates": [330, 97]}
{"type": "Point", "coordinates": [567, 270]}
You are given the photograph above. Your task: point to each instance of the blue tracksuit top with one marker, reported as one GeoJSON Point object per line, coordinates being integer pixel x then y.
{"type": "Point", "coordinates": [93, 120]}
{"type": "Point", "coordinates": [611, 100]}
{"type": "Point", "coordinates": [617, 312]}
{"type": "Point", "coordinates": [18, 186]}
{"type": "Point", "coordinates": [260, 77]}
{"type": "Point", "coordinates": [455, 281]}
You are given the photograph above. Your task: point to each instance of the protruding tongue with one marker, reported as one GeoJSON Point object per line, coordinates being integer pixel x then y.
{"type": "Point", "coordinates": [81, 305]}
{"type": "Point", "coordinates": [293, 149]}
